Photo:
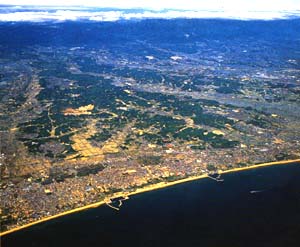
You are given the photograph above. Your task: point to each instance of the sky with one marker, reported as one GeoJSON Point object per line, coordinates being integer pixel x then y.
{"type": "Point", "coordinates": [250, 5]}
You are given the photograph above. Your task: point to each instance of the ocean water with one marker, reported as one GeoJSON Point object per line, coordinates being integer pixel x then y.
{"type": "Point", "coordinates": [259, 207]}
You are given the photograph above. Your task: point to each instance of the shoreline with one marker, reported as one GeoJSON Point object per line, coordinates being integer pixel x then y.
{"type": "Point", "coordinates": [147, 188]}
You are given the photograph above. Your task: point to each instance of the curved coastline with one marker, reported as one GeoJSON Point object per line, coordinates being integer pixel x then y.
{"type": "Point", "coordinates": [146, 189]}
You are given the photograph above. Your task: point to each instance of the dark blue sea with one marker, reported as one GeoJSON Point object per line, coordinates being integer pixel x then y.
{"type": "Point", "coordinates": [259, 207]}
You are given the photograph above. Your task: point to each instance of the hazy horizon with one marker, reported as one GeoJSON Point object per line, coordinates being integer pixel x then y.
{"type": "Point", "coordinates": [35, 11]}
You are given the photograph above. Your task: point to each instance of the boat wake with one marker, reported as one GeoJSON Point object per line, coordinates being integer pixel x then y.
{"type": "Point", "coordinates": [256, 191]}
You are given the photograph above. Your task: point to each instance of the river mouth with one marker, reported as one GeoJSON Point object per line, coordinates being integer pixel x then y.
{"type": "Point", "coordinates": [258, 207]}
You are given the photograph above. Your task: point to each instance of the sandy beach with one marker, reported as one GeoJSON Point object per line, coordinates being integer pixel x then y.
{"type": "Point", "coordinates": [145, 189]}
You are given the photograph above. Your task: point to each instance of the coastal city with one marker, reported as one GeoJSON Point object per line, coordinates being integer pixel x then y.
{"type": "Point", "coordinates": [87, 124]}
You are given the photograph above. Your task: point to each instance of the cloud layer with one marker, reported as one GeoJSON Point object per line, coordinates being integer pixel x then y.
{"type": "Point", "coordinates": [240, 5]}
{"type": "Point", "coordinates": [42, 14]}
